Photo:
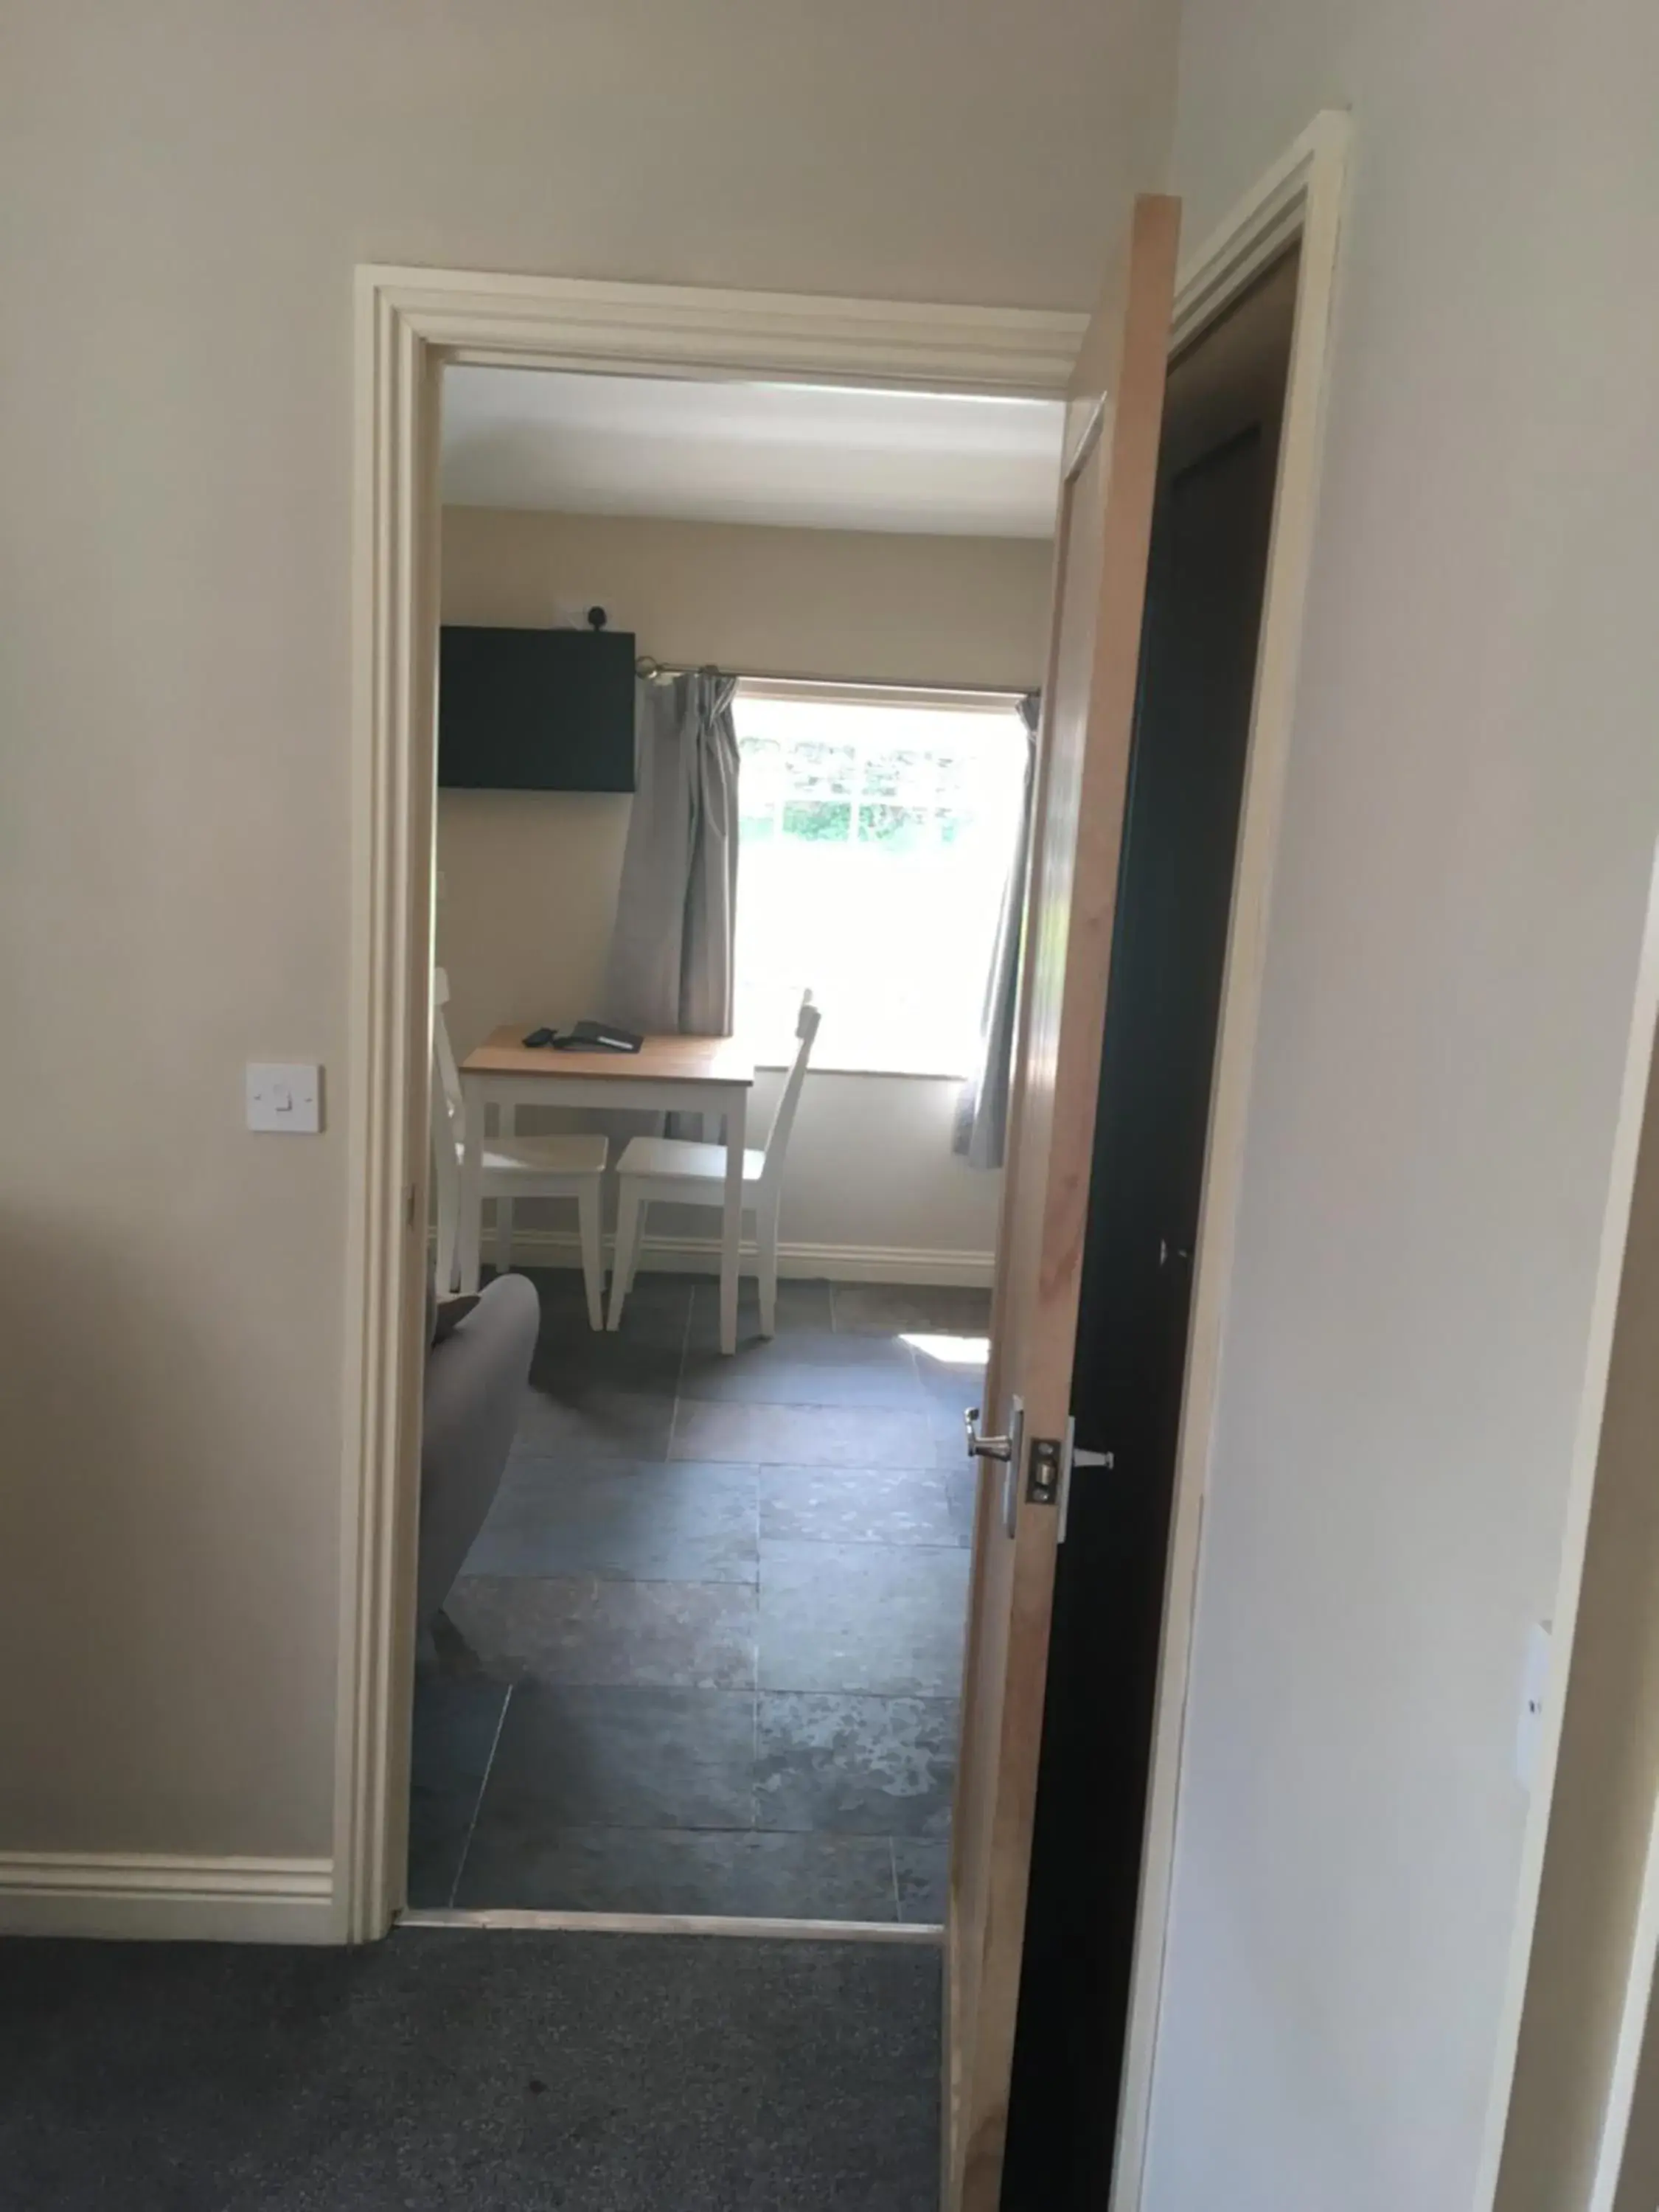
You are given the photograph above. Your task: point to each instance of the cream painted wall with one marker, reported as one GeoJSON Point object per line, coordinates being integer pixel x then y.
{"type": "Point", "coordinates": [187, 187]}
{"type": "Point", "coordinates": [1585, 1953]}
{"type": "Point", "coordinates": [871, 606]}
{"type": "Point", "coordinates": [530, 879]}
{"type": "Point", "coordinates": [1473, 801]}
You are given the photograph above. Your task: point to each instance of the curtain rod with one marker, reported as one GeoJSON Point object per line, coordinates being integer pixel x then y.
{"type": "Point", "coordinates": [646, 667]}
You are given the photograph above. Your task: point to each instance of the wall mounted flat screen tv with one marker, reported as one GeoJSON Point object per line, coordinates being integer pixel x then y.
{"type": "Point", "coordinates": [535, 709]}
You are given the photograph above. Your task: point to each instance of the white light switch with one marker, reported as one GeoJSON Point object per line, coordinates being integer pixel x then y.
{"type": "Point", "coordinates": [285, 1096]}
{"type": "Point", "coordinates": [1529, 1723]}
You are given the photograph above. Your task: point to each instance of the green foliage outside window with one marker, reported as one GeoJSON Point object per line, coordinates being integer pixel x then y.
{"type": "Point", "coordinates": [821, 820]}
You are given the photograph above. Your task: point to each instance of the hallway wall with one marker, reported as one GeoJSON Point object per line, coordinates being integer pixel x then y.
{"type": "Point", "coordinates": [187, 190]}
{"type": "Point", "coordinates": [1469, 826]}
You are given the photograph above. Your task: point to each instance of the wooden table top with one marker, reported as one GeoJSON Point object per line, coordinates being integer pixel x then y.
{"type": "Point", "coordinates": [659, 1059]}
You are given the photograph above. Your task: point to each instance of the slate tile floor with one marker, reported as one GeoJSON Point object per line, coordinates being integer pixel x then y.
{"type": "Point", "coordinates": [705, 1654]}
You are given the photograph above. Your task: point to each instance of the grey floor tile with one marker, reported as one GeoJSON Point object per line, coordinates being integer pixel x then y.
{"type": "Point", "coordinates": [574, 1756]}
{"type": "Point", "coordinates": [574, 1370]}
{"type": "Point", "coordinates": [874, 1766]}
{"type": "Point", "coordinates": [855, 1505]}
{"type": "Point", "coordinates": [806, 1347]}
{"type": "Point", "coordinates": [921, 1871]}
{"type": "Point", "coordinates": [454, 1734]}
{"type": "Point", "coordinates": [792, 1436]}
{"type": "Point", "coordinates": [658, 1307]}
{"type": "Point", "coordinates": [883, 1619]}
{"type": "Point", "coordinates": [893, 1308]}
{"type": "Point", "coordinates": [801, 1306]}
{"type": "Point", "coordinates": [752, 1876]}
{"type": "Point", "coordinates": [696, 1636]}
{"type": "Point", "coordinates": [594, 1422]}
{"type": "Point", "coordinates": [623, 1520]}
{"type": "Point", "coordinates": [755, 1378]}
{"type": "Point", "coordinates": [962, 1490]}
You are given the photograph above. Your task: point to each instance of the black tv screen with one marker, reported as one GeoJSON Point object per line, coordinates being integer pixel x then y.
{"type": "Point", "coordinates": [535, 709]}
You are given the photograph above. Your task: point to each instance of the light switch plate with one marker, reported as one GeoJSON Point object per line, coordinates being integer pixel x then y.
{"type": "Point", "coordinates": [285, 1097]}
{"type": "Point", "coordinates": [1529, 1721]}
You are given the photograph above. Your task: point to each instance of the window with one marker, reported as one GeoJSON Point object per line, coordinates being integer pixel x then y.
{"type": "Point", "coordinates": [876, 833]}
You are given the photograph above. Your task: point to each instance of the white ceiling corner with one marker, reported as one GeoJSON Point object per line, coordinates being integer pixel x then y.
{"type": "Point", "coordinates": [806, 456]}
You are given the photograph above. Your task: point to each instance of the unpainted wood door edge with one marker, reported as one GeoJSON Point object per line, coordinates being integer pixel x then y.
{"type": "Point", "coordinates": [1076, 965]}
{"type": "Point", "coordinates": [1298, 201]}
{"type": "Point", "coordinates": [409, 323]}
{"type": "Point", "coordinates": [963, 1973]}
{"type": "Point", "coordinates": [956, 1983]}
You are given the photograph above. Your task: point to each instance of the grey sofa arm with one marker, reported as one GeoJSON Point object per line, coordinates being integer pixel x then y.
{"type": "Point", "coordinates": [475, 1386]}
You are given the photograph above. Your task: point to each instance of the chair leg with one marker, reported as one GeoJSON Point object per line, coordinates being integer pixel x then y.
{"type": "Point", "coordinates": [503, 1235]}
{"type": "Point", "coordinates": [587, 1221]}
{"type": "Point", "coordinates": [766, 1264]}
{"type": "Point", "coordinates": [449, 1210]}
{"type": "Point", "coordinates": [627, 1231]}
{"type": "Point", "coordinates": [637, 1243]}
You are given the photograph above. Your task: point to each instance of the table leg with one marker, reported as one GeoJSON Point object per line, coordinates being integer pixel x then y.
{"type": "Point", "coordinates": [731, 1221]}
{"type": "Point", "coordinates": [471, 1222]}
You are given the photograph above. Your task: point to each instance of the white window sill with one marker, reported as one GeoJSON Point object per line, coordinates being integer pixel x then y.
{"type": "Point", "coordinates": [922, 1068]}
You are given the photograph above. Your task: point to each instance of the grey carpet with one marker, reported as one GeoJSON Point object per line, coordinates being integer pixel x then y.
{"type": "Point", "coordinates": [444, 2071]}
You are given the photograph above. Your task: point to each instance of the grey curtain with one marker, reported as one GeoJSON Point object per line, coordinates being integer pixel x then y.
{"type": "Point", "coordinates": [981, 1134]}
{"type": "Point", "coordinates": [670, 965]}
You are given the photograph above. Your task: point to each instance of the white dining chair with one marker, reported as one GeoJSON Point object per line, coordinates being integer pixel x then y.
{"type": "Point", "coordinates": [512, 1167]}
{"type": "Point", "coordinates": [674, 1171]}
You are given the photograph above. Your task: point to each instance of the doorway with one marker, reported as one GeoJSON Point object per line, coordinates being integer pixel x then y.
{"type": "Point", "coordinates": [413, 326]}
{"type": "Point", "coordinates": [1217, 468]}
{"type": "Point", "coordinates": [690, 1643]}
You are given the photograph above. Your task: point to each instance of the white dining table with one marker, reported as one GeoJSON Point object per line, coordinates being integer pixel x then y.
{"type": "Point", "coordinates": [668, 1074]}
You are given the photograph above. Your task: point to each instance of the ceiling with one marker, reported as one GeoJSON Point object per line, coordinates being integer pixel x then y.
{"type": "Point", "coordinates": [810, 456]}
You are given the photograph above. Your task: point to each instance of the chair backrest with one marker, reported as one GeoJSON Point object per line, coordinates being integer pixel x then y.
{"type": "Point", "coordinates": [447, 1125]}
{"type": "Point", "coordinates": [446, 1076]}
{"type": "Point", "coordinates": [447, 1112]}
{"type": "Point", "coordinates": [777, 1137]}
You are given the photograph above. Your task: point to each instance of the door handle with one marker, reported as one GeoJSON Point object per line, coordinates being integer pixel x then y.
{"type": "Point", "coordinates": [1006, 1449]}
{"type": "Point", "coordinates": [979, 1447]}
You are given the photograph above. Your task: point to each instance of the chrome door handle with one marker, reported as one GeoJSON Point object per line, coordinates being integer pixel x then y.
{"type": "Point", "coordinates": [1007, 1450]}
{"type": "Point", "coordinates": [980, 1447]}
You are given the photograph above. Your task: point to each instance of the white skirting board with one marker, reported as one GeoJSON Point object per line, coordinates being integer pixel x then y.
{"type": "Point", "coordinates": [134, 1896]}
{"type": "Point", "coordinates": [701, 1255]}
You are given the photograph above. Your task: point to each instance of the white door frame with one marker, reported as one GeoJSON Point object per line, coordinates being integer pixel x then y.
{"type": "Point", "coordinates": [409, 322]}
{"type": "Point", "coordinates": [1298, 201]}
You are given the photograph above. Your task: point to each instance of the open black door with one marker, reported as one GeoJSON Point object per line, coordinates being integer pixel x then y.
{"type": "Point", "coordinates": [1198, 653]}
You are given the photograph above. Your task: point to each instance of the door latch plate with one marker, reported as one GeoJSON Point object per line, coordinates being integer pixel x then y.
{"type": "Point", "coordinates": [1043, 1471]}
